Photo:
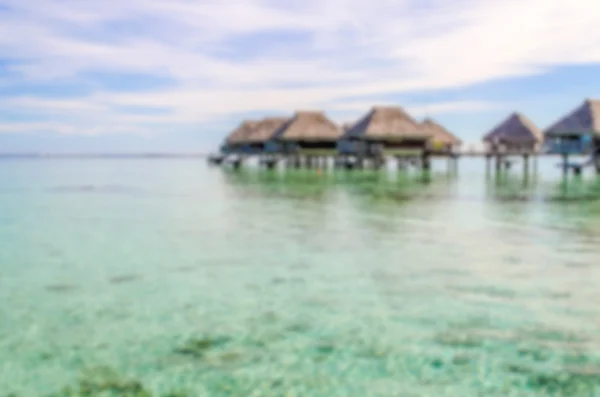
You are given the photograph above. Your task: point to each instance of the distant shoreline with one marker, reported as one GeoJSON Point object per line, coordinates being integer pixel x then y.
{"type": "Point", "coordinates": [100, 155]}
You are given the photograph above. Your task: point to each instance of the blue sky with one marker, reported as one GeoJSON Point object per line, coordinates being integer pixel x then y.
{"type": "Point", "coordinates": [178, 75]}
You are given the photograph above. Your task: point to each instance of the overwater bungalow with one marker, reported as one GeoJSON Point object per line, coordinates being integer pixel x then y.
{"type": "Point", "coordinates": [307, 133]}
{"type": "Point", "coordinates": [264, 130]}
{"type": "Point", "coordinates": [515, 134]}
{"type": "Point", "coordinates": [442, 141]}
{"type": "Point", "coordinates": [384, 131]}
{"type": "Point", "coordinates": [237, 141]}
{"type": "Point", "coordinates": [576, 133]}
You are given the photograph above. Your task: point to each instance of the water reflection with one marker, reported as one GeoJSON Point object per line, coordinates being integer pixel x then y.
{"type": "Point", "coordinates": [314, 184]}
{"type": "Point", "coordinates": [576, 189]}
{"type": "Point", "coordinates": [302, 184]}
{"type": "Point", "coordinates": [511, 187]}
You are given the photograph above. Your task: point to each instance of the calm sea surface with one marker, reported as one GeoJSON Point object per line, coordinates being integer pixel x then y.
{"type": "Point", "coordinates": [170, 278]}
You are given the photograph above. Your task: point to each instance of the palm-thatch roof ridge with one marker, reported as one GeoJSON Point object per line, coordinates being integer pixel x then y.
{"type": "Point", "coordinates": [266, 128]}
{"type": "Point", "coordinates": [309, 126]}
{"type": "Point", "coordinates": [440, 133]}
{"type": "Point", "coordinates": [386, 123]}
{"type": "Point", "coordinates": [515, 129]}
{"type": "Point", "coordinates": [241, 133]}
{"type": "Point", "coordinates": [584, 119]}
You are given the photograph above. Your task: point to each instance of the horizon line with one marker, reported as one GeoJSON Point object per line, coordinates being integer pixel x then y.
{"type": "Point", "coordinates": [100, 154]}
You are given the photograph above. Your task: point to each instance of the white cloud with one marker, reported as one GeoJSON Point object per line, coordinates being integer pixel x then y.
{"type": "Point", "coordinates": [347, 111]}
{"type": "Point", "coordinates": [232, 57]}
{"type": "Point", "coordinates": [51, 106]}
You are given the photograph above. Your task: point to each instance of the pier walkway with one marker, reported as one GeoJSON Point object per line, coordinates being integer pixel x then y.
{"type": "Point", "coordinates": [503, 160]}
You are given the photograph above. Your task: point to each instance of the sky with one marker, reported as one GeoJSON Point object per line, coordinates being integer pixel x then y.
{"type": "Point", "coordinates": [179, 75]}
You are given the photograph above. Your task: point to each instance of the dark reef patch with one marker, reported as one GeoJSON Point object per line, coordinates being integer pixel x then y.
{"type": "Point", "coordinates": [127, 278]}
{"type": "Point", "coordinates": [62, 288]}
{"type": "Point", "coordinates": [198, 347]}
{"type": "Point", "coordinates": [104, 382]}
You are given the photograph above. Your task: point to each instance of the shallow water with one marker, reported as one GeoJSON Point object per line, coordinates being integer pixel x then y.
{"type": "Point", "coordinates": [209, 282]}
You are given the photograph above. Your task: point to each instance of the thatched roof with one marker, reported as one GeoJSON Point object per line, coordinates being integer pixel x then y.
{"type": "Point", "coordinates": [266, 129]}
{"type": "Point", "coordinates": [439, 133]}
{"type": "Point", "coordinates": [515, 129]}
{"type": "Point", "coordinates": [584, 119]}
{"type": "Point", "coordinates": [386, 123]}
{"type": "Point", "coordinates": [309, 127]}
{"type": "Point", "coordinates": [240, 134]}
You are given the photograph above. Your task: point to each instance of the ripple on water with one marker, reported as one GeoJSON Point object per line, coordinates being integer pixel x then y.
{"type": "Point", "coordinates": [303, 288]}
{"type": "Point", "coordinates": [115, 189]}
{"type": "Point", "coordinates": [579, 264]}
{"type": "Point", "coordinates": [186, 269]}
{"type": "Point", "coordinates": [62, 287]}
{"type": "Point", "coordinates": [124, 279]}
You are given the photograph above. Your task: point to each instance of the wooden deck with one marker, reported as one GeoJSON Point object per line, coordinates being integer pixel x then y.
{"type": "Point", "coordinates": [512, 153]}
{"type": "Point", "coordinates": [501, 161]}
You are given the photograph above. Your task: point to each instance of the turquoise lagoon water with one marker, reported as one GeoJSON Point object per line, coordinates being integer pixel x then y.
{"type": "Point", "coordinates": [147, 277]}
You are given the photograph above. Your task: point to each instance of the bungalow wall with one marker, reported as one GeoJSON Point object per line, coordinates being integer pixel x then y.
{"type": "Point", "coordinates": [571, 144]}
{"type": "Point", "coordinates": [397, 148]}
{"type": "Point", "coordinates": [442, 148]}
{"type": "Point", "coordinates": [317, 148]}
{"type": "Point", "coordinates": [376, 148]}
{"type": "Point", "coordinates": [243, 148]}
{"type": "Point", "coordinates": [279, 147]}
{"type": "Point", "coordinates": [504, 146]}
{"type": "Point", "coordinates": [354, 147]}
